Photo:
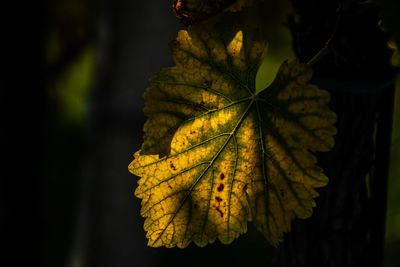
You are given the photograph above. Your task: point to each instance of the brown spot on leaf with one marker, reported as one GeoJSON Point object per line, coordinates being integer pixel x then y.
{"type": "Point", "coordinates": [220, 212]}
{"type": "Point", "coordinates": [218, 199]}
{"type": "Point", "coordinates": [172, 166]}
{"type": "Point", "coordinates": [196, 206]}
{"type": "Point", "coordinates": [199, 106]}
{"type": "Point", "coordinates": [222, 176]}
{"type": "Point", "coordinates": [220, 187]}
{"type": "Point", "coordinates": [192, 132]}
{"type": "Point", "coordinates": [282, 193]}
{"type": "Point", "coordinates": [170, 187]}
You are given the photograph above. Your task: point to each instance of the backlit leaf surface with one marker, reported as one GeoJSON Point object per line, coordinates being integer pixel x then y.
{"type": "Point", "coordinates": [217, 155]}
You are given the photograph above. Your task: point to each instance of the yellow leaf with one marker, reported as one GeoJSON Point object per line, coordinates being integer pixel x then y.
{"type": "Point", "coordinates": [217, 155]}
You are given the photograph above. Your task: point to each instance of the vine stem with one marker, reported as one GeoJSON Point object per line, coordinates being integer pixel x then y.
{"type": "Point", "coordinates": [324, 49]}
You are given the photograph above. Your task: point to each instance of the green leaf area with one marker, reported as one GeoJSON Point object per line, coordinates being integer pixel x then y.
{"type": "Point", "coordinates": [217, 155]}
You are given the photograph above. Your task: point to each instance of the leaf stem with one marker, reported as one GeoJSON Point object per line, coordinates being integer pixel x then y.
{"type": "Point", "coordinates": [324, 49]}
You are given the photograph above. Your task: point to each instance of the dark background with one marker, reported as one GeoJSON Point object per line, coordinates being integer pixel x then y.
{"type": "Point", "coordinates": [71, 119]}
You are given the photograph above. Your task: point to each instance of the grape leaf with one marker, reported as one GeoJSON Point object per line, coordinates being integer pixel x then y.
{"type": "Point", "coordinates": [217, 155]}
{"type": "Point", "coordinates": [193, 11]}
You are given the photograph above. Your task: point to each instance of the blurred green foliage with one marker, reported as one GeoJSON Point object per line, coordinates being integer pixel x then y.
{"type": "Point", "coordinates": [71, 62]}
{"type": "Point", "coordinates": [72, 87]}
{"type": "Point", "coordinates": [274, 26]}
{"type": "Point", "coordinates": [279, 50]}
{"type": "Point", "coordinates": [393, 210]}
{"type": "Point", "coordinates": [70, 56]}
{"type": "Point", "coordinates": [391, 22]}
